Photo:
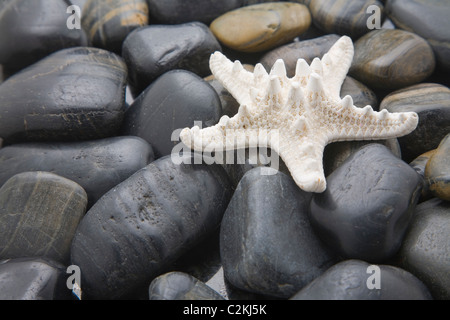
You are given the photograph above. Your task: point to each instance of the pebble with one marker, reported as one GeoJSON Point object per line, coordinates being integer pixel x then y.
{"type": "Point", "coordinates": [291, 52]}
{"type": "Point", "coordinates": [348, 17]}
{"type": "Point", "coordinates": [437, 170]}
{"type": "Point", "coordinates": [181, 11]}
{"type": "Point", "coordinates": [425, 251]}
{"type": "Point", "coordinates": [419, 164]}
{"type": "Point", "coordinates": [153, 50]}
{"type": "Point", "coordinates": [33, 279]}
{"type": "Point", "coordinates": [39, 212]}
{"type": "Point", "coordinates": [25, 38]}
{"type": "Point", "coordinates": [96, 165]}
{"type": "Point", "coordinates": [361, 94]}
{"type": "Point", "coordinates": [172, 102]}
{"type": "Point", "coordinates": [431, 101]}
{"type": "Point", "coordinates": [73, 94]}
{"type": "Point", "coordinates": [180, 286]}
{"type": "Point", "coordinates": [350, 279]}
{"type": "Point", "coordinates": [367, 206]}
{"type": "Point", "coordinates": [140, 227]}
{"type": "Point", "coordinates": [262, 26]}
{"type": "Point", "coordinates": [267, 245]}
{"type": "Point", "coordinates": [428, 19]}
{"type": "Point", "coordinates": [108, 23]}
{"type": "Point", "coordinates": [389, 59]}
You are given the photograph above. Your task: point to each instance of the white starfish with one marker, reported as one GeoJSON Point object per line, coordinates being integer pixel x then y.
{"type": "Point", "coordinates": [305, 111]}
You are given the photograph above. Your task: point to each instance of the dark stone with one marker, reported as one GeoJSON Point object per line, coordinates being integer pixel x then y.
{"type": "Point", "coordinates": [361, 95]}
{"type": "Point", "coordinates": [290, 53]}
{"type": "Point", "coordinates": [174, 101]}
{"type": "Point", "coordinates": [39, 213]}
{"type": "Point", "coordinates": [389, 59]}
{"type": "Point", "coordinates": [267, 245]}
{"type": "Point", "coordinates": [108, 23]}
{"type": "Point", "coordinates": [73, 94]}
{"type": "Point", "coordinates": [139, 228]}
{"type": "Point", "coordinates": [31, 30]}
{"type": "Point", "coordinates": [431, 102]}
{"type": "Point", "coordinates": [437, 170]}
{"type": "Point", "coordinates": [153, 50]}
{"type": "Point", "coordinates": [33, 279]}
{"type": "Point", "coordinates": [367, 206]}
{"type": "Point", "coordinates": [419, 164]}
{"type": "Point", "coordinates": [180, 286]}
{"type": "Point", "coordinates": [428, 19]}
{"type": "Point", "coordinates": [229, 104]}
{"type": "Point", "coordinates": [97, 165]}
{"type": "Point", "coordinates": [343, 17]}
{"type": "Point", "coordinates": [180, 11]}
{"type": "Point", "coordinates": [348, 280]}
{"type": "Point", "coordinates": [425, 250]}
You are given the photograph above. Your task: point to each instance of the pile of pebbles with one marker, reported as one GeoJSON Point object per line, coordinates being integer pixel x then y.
{"type": "Point", "coordinates": [87, 181]}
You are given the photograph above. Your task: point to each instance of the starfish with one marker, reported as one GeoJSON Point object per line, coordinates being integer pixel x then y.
{"type": "Point", "coordinates": [306, 112]}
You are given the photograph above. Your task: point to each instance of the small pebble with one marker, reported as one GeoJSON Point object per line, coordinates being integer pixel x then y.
{"type": "Point", "coordinates": [437, 170]}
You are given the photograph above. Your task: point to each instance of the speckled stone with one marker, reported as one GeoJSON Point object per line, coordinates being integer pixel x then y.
{"type": "Point", "coordinates": [39, 213]}
{"type": "Point", "coordinates": [348, 280]}
{"type": "Point", "coordinates": [145, 223]}
{"type": "Point", "coordinates": [180, 286]}
{"type": "Point", "coordinates": [367, 206]}
{"type": "Point", "coordinates": [181, 11]}
{"type": "Point", "coordinates": [33, 279]}
{"type": "Point", "coordinates": [261, 27]}
{"type": "Point", "coordinates": [155, 49]}
{"type": "Point", "coordinates": [425, 251]}
{"type": "Point", "coordinates": [428, 19]}
{"type": "Point", "coordinates": [107, 23]}
{"type": "Point", "coordinates": [31, 30]}
{"type": "Point", "coordinates": [344, 17]}
{"type": "Point", "coordinates": [96, 165]}
{"type": "Point", "coordinates": [437, 170]}
{"type": "Point", "coordinates": [431, 101]}
{"type": "Point", "coordinates": [267, 245]}
{"type": "Point", "coordinates": [391, 59]}
{"type": "Point", "coordinates": [172, 102]}
{"type": "Point", "coordinates": [306, 49]}
{"type": "Point", "coordinates": [73, 94]}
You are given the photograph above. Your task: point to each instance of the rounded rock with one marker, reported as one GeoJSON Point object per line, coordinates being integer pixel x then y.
{"type": "Point", "coordinates": [431, 101]}
{"type": "Point", "coordinates": [139, 228]}
{"type": "Point", "coordinates": [437, 170]}
{"type": "Point", "coordinates": [261, 27]}
{"type": "Point", "coordinates": [367, 206]}
{"type": "Point", "coordinates": [391, 59]}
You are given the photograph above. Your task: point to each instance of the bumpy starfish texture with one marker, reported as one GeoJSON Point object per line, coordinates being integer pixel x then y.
{"type": "Point", "coordinates": [305, 112]}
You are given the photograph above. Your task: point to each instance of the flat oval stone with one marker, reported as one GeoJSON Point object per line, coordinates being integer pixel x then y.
{"type": "Point", "coordinates": [25, 38]}
{"type": "Point", "coordinates": [181, 11]}
{"type": "Point", "coordinates": [428, 19]}
{"type": "Point", "coordinates": [431, 101]}
{"type": "Point", "coordinates": [367, 206]}
{"type": "Point", "coordinates": [267, 245]}
{"type": "Point", "coordinates": [180, 286]}
{"type": "Point", "coordinates": [33, 279]}
{"type": "Point", "coordinates": [172, 102]}
{"type": "Point", "coordinates": [153, 50]}
{"type": "Point", "coordinates": [107, 23]}
{"type": "Point", "coordinates": [425, 251]}
{"type": "Point", "coordinates": [391, 59]}
{"type": "Point", "coordinates": [140, 227]}
{"type": "Point", "coordinates": [344, 17]}
{"type": "Point", "coordinates": [261, 27]}
{"type": "Point", "coordinates": [73, 94]}
{"type": "Point", "coordinates": [348, 280]}
{"type": "Point", "coordinates": [306, 49]}
{"type": "Point", "coordinates": [39, 213]}
{"type": "Point", "coordinates": [96, 165]}
{"type": "Point", "coordinates": [437, 170]}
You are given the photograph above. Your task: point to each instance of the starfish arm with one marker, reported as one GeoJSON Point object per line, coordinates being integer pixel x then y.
{"type": "Point", "coordinates": [353, 123]}
{"type": "Point", "coordinates": [304, 161]}
{"type": "Point", "coordinates": [232, 76]}
{"type": "Point", "coordinates": [335, 65]}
